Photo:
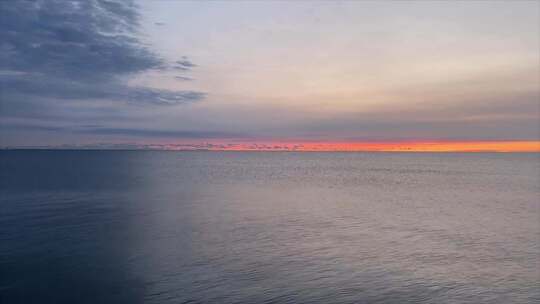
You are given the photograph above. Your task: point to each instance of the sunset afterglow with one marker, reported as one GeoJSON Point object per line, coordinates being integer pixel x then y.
{"type": "Point", "coordinates": [310, 146]}
{"type": "Point", "coordinates": [487, 146]}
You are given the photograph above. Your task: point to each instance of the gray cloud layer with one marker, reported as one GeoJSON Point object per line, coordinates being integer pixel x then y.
{"type": "Point", "coordinates": [78, 50]}
{"type": "Point", "coordinates": [124, 132]}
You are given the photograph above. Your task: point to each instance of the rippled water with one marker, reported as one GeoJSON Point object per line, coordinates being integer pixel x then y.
{"type": "Point", "coordinates": [227, 227]}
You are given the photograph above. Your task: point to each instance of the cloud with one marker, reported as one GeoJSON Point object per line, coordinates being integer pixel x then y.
{"type": "Point", "coordinates": [129, 132]}
{"type": "Point", "coordinates": [183, 78]}
{"type": "Point", "coordinates": [183, 65]}
{"type": "Point", "coordinates": [79, 50]}
{"type": "Point", "coordinates": [60, 88]}
{"type": "Point", "coordinates": [487, 117]}
{"type": "Point", "coordinates": [159, 133]}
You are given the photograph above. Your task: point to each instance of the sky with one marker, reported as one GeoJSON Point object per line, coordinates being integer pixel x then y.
{"type": "Point", "coordinates": [355, 75]}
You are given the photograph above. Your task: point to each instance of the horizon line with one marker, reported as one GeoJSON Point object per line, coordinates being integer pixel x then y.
{"type": "Point", "coordinates": [530, 146]}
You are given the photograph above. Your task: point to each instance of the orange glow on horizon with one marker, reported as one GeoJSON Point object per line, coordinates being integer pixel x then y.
{"type": "Point", "coordinates": [412, 146]}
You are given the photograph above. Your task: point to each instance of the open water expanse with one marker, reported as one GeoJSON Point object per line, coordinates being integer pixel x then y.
{"type": "Point", "coordinates": [253, 227]}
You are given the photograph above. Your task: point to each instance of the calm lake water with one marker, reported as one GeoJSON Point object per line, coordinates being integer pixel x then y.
{"type": "Point", "coordinates": [232, 227]}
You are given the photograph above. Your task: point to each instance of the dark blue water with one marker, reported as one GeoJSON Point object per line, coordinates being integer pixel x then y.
{"type": "Point", "coordinates": [227, 227]}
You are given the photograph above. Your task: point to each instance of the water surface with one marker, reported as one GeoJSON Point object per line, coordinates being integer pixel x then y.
{"type": "Point", "coordinates": [232, 227]}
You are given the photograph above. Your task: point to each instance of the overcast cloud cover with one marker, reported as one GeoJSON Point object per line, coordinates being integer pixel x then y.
{"type": "Point", "coordinates": [115, 71]}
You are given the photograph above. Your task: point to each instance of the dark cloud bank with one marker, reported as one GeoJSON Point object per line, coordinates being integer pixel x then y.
{"type": "Point", "coordinates": [128, 132]}
{"type": "Point", "coordinates": [78, 50]}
